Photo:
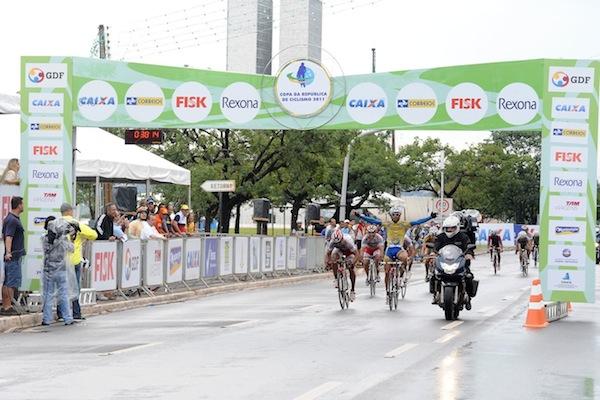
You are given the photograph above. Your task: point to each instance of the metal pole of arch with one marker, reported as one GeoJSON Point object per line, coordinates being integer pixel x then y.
{"type": "Point", "coordinates": [443, 166]}
{"type": "Point", "coordinates": [345, 172]}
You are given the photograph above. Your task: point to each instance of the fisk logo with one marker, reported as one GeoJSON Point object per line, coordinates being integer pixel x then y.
{"type": "Point", "coordinates": [566, 230]}
{"type": "Point", "coordinates": [45, 150]}
{"type": "Point", "coordinates": [465, 103]}
{"type": "Point", "coordinates": [568, 156]}
{"type": "Point", "coordinates": [367, 103]}
{"type": "Point", "coordinates": [190, 101]}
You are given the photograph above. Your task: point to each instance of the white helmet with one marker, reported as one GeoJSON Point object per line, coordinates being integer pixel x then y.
{"type": "Point", "coordinates": [522, 234]}
{"type": "Point", "coordinates": [451, 226]}
{"type": "Point", "coordinates": [433, 230]}
{"type": "Point", "coordinates": [395, 210]}
{"type": "Point", "coordinates": [337, 236]}
{"type": "Point", "coordinates": [371, 229]}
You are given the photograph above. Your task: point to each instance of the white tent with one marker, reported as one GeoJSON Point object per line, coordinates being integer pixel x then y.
{"type": "Point", "coordinates": [100, 154]}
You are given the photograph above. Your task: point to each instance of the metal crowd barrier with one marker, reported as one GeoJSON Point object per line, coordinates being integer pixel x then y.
{"type": "Point", "coordinates": [145, 265]}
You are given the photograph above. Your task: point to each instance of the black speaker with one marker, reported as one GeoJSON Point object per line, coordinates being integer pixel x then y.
{"type": "Point", "coordinates": [262, 208]}
{"type": "Point", "coordinates": [313, 213]}
{"type": "Point", "coordinates": [125, 197]}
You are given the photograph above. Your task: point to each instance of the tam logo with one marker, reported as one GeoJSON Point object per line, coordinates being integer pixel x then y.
{"type": "Point", "coordinates": [50, 195]}
{"type": "Point", "coordinates": [465, 103]}
{"type": "Point", "coordinates": [573, 203]}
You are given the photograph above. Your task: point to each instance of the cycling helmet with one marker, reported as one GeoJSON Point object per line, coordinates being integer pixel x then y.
{"type": "Point", "coordinates": [371, 229]}
{"type": "Point", "coordinates": [337, 236]}
{"type": "Point", "coordinates": [522, 234]}
{"type": "Point", "coordinates": [395, 210]}
{"type": "Point", "coordinates": [451, 226]}
{"type": "Point", "coordinates": [492, 232]}
{"type": "Point", "coordinates": [433, 230]}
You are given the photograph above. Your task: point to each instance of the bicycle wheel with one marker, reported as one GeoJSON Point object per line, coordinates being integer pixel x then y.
{"type": "Point", "coordinates": [495, 263]}
{"type": "Point", "coordinates": [341, 295]}
{"type": "Point", "coordinates": [390, 290]}
{"type": "Point", "coordinates": [372, 281]}
{"type": "Point", "coordinates": [396, 293]}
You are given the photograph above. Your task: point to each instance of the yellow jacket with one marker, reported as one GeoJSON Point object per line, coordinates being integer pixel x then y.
{"type": "Point", "coordinates": [86, 233]}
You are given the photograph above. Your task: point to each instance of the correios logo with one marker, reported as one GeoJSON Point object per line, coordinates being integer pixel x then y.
{"type": "Point", "coordinates": [416, 103]}
{"type": "Point", "coordinates": [466, 103]}
{"type": "Point", "coordinates": [191, 102]}
{"type": "Point", "coordinates": [366, 103]}
{"type": "Point", "coordinates": [144, 101]}
{"type": "Point", "coordinates": [566, 132]}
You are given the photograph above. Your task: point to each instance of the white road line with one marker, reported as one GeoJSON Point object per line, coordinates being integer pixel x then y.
{"type": "Point", "coordinates": [318, 391]}
{"type": "Point", "coordinates": [399, 350]}
{"type": "Point", "coordinates": [308, 308]}
{"type": "Point", "coordinates": [526, 288]}
{"type": "Point", "coordinates": [128, 349]}
{"type": "Point", "coordinates": [364, 385]}
{"type": "Point", "coordinates": [452, 325]}
{"type": "Point", "coordinates": [243, 323]}
{"type": "Point", "coordinates": [492, 312]}
{"type": "Point", "coordinates": [447, 337]}
{"type": "Point", "coordinates": [507, 298]}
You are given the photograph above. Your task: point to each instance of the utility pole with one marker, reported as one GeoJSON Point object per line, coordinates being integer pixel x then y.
{"type": "Point", "coordinates": [103, 42]}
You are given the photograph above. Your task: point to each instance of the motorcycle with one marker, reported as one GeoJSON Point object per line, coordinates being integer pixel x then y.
{"type": "Point", "coordinates": [450, 284]}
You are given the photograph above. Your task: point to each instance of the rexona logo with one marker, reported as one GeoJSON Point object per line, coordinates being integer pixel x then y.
{"type": "Point", "coordinates": [366, 103]}
{"type": "Point", "coordinates": [416, 103]}
{"type": "Point", "coordinates": [144, 101]}
{"type": "Point", "coordinates": [240, 102]}
{"type": "Point", "coordinates": [571, 79]}
{"type": "Point", "coordinates": [466, 103]}
{"type": "Point", "coordinates": [517, 103]}
{"type": "Point", "coordinates": [569, 157]}
{"type": "Point", "coordinates": [570, 108]}
{"type": "Point", "coordinates": [191, 102]}
{"type": "Point", "coordinates": [97, 100]}
{"type": "Point", "coordinates": [41, 174]}
{"type": "Point", "coordinates": [49, 75]}
{"type": "Point", "coordinates": [569, 182]}
{"type": "Point", "coordinates": [46, 103]}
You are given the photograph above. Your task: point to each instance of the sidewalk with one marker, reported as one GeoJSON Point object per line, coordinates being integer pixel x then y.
{"type": "Point", "coordinates": [10, 324]}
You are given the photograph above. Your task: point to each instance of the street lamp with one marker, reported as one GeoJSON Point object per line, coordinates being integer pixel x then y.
{"type": "Point", "coordinates": [442, 167]}
{"type": "Point", "coordinates": [347, 167]}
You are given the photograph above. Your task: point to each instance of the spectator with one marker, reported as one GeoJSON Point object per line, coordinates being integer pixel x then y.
{"type": "Point", "coordinates": [105, 224]}
{"type": "Point", "coordinates": [330, 228]}
{"type": "Point", "coordinates": [14, 250]}
{"type": "Point", "coordinates": [83, 233]}
{"type": "Point", "coordinates": [346, 229]}
{"type": "Point", "coordinates": [298, 231]}
{"type": "Point", "coordinates": [171, 224]}
{"type": "Point", "coordinates": [320, 227]}
{"type": "Point", "coordinates": [121, 225]}
{"type": "Point", "coordinates": [141, 228]}
{"type": "Point", "coordinates": [191, 223]}
{"type": "Point", "coordinates": [160, 220]}
{"type": "Point", "coordinates": [181, 217]}
{"type": "Point", "coordinates": [56, 245]}
{"type": "Point", "coordinates": [10, 176]}
{"type": "Point", "coordinates": [151, 208]}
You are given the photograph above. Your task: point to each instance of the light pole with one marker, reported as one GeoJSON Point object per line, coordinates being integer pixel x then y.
{"type": "Point", "coordinates": [345, 171]}
{"type": "Point", "coordinates": [443, 166]}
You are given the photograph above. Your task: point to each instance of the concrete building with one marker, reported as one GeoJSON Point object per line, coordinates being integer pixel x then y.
{"type": "Point", "coordinates": [300, 24]}
{"type": "Point", "coordinates": [249, 35]}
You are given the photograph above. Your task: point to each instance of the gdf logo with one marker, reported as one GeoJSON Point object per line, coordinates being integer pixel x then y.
{"type": "Point", "coordinates": [466, 103]}
{"type": "Point", "coordinates": [571, 79]}
{"type": "Point", "coordinates": [191, 102]}
{"type": "Point", "coordinates": [46, 75]}
{"type": "Point", "coordinates": [97, 100]}
{"type": "Point", "coordinates": [366, 103]}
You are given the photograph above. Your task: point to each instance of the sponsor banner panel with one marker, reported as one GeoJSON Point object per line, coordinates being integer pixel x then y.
{"type": "Point", "coordinates": [506, 232]}
{"type": "Point", "coordinates": [567, 280]}
{"type": "Point", "coordinates": [46, 198]}
{"type": "Point", "coordinates": [568, 157]}
{"type": "Point", "coordinates": [211, 258]}
{"type": "Point", "coordinates": [567, 231]}
{"type": "Point", "coordinates": [568, 182]}
{"type": "Point", "coordinates": [104, 265]}
{"type": "Point", "coordinates": [570, 108]}
{"type": "Point", "coordinates": [567, 255]}
{"type": "Point", "coordinates": [154, 271]}
{"type": "Point", "coordinates": [568, 206]}
{"type": "Point", "coordinates": [569, 132]}
{"type": "Point", "coordinates": [131, 264]}
{"type": "Point", "coordinates": [226, 256]}
{"type": "Point", "coordinates": [254, 255]}
{"type": "Point", "coordinates": [174, 260]}
{"type": "Point", "coordinates": [192, 259]}
{"type": "Point", "coordinates": [571, 79]}
{"type": "Point", "coordinates": [241, 255]}
{"type": "Point", "coordinates": [292, 252]}
{"type": "Point", "coordinates": [46, 75]}
{"type": "Point", "coordinates": [280, 248]}
{"type": "Point", "coordinates": [267, 254]}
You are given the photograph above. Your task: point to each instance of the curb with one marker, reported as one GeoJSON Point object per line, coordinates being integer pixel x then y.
{"type": "Point", "coordinates": [10, 324]}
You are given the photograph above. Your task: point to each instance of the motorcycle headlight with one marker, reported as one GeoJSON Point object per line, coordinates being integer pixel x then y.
{"type": "Point", "coordinates": [450, 268]}
{"type": "Point", "coordinates": [596, 244]}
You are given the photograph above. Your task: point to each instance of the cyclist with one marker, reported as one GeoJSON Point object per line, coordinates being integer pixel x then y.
{"type": "Point", "coordinates": [523, 242]}
{"type": "Point", "coordinates": [427, 252]}
{"type": "Point", "coordinates": [495, 242]}
{"type": "Point", "coordinates": [372, 245]}
{"type": "Point", "coordinates": [536, 241]}
{"type": "Point", "coordinates": [338, 245]}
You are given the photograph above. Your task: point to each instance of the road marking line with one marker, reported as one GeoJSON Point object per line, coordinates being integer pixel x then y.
{"type": "Point", "coordinates": [243, 323]}
{"type": "Point", "coordinates": [508, 298]}
{"type": "Point", "coordinates": [447, 337]}
{"type": "Point", "coordinates": [318, 391]}
{"type": "Point", "coordinates": [128, 349]}
{"type": "Point", "coordinates": [307, 308]}
{"type": "Point", "coordinates": [399, 350]}
{"type": "Point", "coordinates": [451, 325]}
{"type": "Point", "coordinates": [526, 288]}
{"type": "Point", "coordinates": [364, 385]}
{"type": "Point", "coordinates": [492, 312]}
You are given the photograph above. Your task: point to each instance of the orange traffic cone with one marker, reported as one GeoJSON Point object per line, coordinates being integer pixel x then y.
{"type": "Point", "coordinates": [536, 315]}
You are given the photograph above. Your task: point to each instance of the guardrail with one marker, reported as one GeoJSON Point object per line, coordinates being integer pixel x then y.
{"type": "Point", "coordinates": [135, 264]}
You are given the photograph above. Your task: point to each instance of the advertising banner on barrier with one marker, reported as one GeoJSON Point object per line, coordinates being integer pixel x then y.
{"type": "Point", "coordinates": [154, 263]}
{"type": "Point", "coordinates": [292, 253]}
{"type": "Point", "coordinates": [211, 257]}
{"type": "Point", "coordinates": [280, 253]}
{"type": "Point", "coordinates": [131, 266]}
{"type": "Point", "coordinates": [241, 255]}
{"type": "Point", "coordinates": [104, 265]}
{"type": "Point", "coordinates": [506, 232]}
{"type": "Point", "coordinates": [192, 259]}
{"type": "Point", "coordinates": [267, 254]}
{"type": "Point", "coordinates": [174, 260]}
{"type": "Point", "coordinates": [226, 256]}
{"type": "Point", "coordinates": [302, 258]}
{"type": "Point", "coordinates": [254, 254]}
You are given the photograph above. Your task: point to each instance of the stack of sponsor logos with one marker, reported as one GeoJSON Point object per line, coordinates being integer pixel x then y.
{"type": "Point", "coordinates": [46, 155]}
{"type": "Point", "coordinates": [568, 202]}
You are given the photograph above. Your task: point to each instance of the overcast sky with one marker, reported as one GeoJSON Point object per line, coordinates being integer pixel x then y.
{"type": "Point", "coordinates": [406, 34]}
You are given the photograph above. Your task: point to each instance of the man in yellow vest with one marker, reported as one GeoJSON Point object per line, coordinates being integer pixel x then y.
{"type": "Point", "coordinates": [84, 233]}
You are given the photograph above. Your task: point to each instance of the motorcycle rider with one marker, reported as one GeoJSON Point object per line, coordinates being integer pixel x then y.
{"type": "Point", "coordinates": [452, 235]}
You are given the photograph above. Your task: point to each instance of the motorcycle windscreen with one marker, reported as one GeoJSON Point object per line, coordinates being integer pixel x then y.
{"type": "Point", "coordinates": [450, 253]}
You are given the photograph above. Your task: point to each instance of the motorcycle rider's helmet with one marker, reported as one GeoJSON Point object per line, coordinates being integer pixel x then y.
{"type": "Point", "coordinates": [337, 236]}
{"type": "Point", "coordinates": [371, 229]}
{"type": "Point", "coordinates": [451, 226]}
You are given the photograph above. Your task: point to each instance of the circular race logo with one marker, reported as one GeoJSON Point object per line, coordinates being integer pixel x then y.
{"type": "Point", "coordinates": [560, 79]}
{"type": "Point", "coordinates": [240, 102]}
{"type": "Point", "coordinates": [144, 101]}
{"type": "Point", "coordinates": [566, 253]}
{"type": "Point", "coordinates": [36, 75]}
{"type": "Point", "coordinates": [97, 100]}
{"type": "Point", "coordinates": [191, 102]}
{"type": "Point", "coordinates": [416, 103]}
{"type": "Point", "coordinates": [466, 103]}
{"type": "Point", "coordinates": [303, 88]}
{"type": "Point", "coordinates": [517, 103]}
{"type": "Point", "coordinates": [366, 103]}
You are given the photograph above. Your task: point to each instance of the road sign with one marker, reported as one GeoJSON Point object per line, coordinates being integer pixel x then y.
{"type": "Point", "coordinates": [442, 206]}
{"type": "Point", "coordinates": [218, 186]}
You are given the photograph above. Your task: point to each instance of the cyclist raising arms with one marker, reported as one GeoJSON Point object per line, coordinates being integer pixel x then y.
{"type": "Point", "coordinates": [338, 245]}
{"type": "Point", "coordinates": [372, 245]}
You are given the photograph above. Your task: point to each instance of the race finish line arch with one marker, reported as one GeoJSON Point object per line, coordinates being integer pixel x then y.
{"type": "Point", "coordinates": [557, 97]}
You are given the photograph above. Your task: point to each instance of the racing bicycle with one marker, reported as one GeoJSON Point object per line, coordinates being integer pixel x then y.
{"type": "Point", "coordinates": [496, 259]}
{"type": "Point", "coordinates": [397, 283]}
{"type": "Point", "coordinates": [372, 278]}
{"type": "Point", "coordinates": [524, 262]}
{"type": "Point", "coordinates": [342, 282]}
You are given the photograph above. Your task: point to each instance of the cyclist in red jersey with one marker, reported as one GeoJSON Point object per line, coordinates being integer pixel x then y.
{"type": "Point", "coordinates": [372, 245]}
{"type": "Point", "coordinates": [338, 245]}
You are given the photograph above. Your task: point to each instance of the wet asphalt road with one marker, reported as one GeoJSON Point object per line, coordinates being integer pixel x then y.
{"type": "Point", "coordinates": [294, 342]}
